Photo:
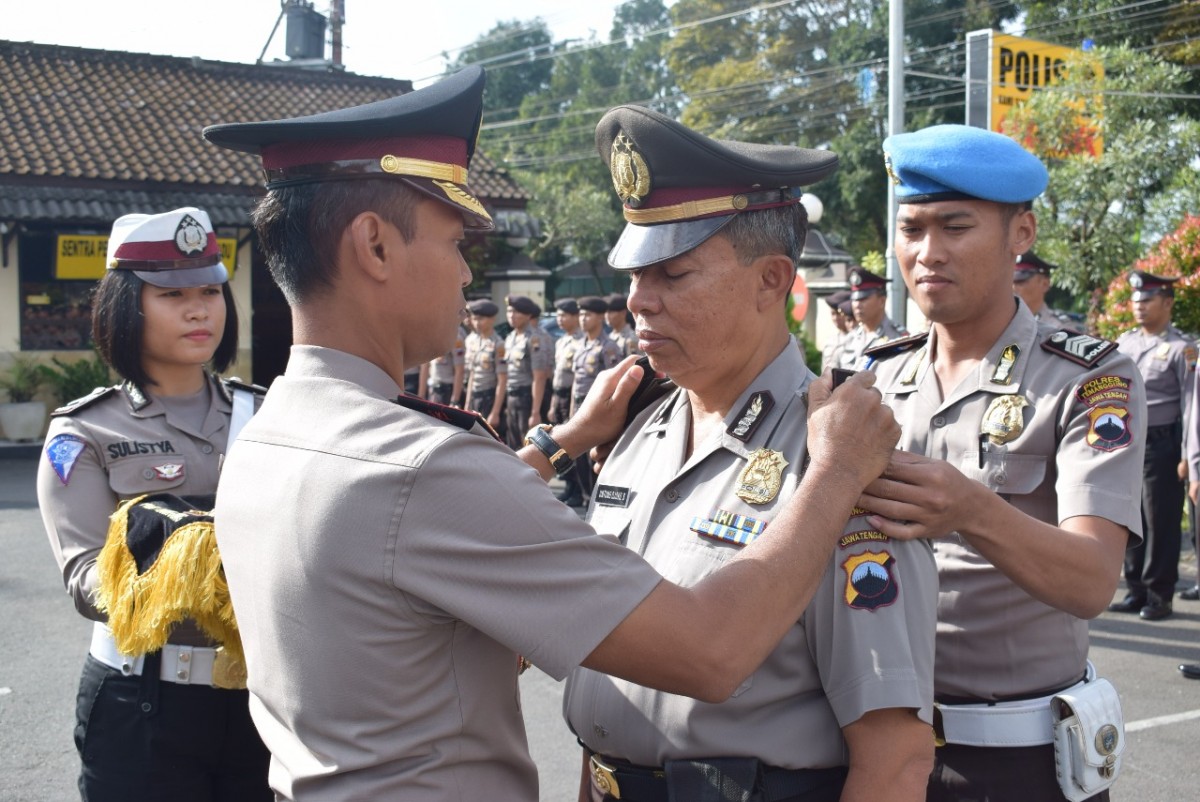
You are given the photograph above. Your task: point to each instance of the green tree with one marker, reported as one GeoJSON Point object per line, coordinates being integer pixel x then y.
{"type": "Point", "coordinates": [1093, 216]}
{"type": "Point", "coordinates": [514, 53]}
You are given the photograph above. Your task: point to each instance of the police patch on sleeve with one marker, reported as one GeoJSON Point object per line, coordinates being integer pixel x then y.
{"type": "Point", "coordinates": [870, 580]}
{"type": "Point", "coordinates": [62, 452]}
{"type": "Point", "coordinates": [1110, 428]}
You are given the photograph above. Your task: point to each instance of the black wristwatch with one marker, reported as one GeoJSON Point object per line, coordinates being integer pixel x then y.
{"type": "Point", "coordinates": [539, 437]}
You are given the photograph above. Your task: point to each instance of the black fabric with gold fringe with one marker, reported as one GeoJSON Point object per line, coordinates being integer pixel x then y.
{"type": "Point", "coordinates": [159, 566]}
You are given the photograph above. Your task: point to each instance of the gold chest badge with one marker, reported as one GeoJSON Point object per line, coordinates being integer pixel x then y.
{"type": "Point", "coordinates": [760, 480]}
{"type": "Point", "coordinates": [1003, 422]}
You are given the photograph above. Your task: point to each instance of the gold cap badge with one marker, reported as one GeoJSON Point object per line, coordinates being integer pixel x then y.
{"type": "Point", "coordinates": [630, 174]}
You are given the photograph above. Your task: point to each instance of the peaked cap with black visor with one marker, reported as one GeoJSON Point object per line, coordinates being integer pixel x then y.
{"type": "Point", "coordinates": [679, 187]}
{"type": "Point", "coordinates": [425, 138]}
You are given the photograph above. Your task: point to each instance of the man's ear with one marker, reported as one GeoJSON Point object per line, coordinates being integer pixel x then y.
{"type": "Point", "coordinates": [1022, 232]}
{"type": "Point", "coordinates": [373, 250]}
{"type": "Point", "coordinates": [776, 273]}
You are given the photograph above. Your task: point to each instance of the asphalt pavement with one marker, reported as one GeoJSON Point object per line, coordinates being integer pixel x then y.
{"type": "Point", "coordinates": [43, 641]}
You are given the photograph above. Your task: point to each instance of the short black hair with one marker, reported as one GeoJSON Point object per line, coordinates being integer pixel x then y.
{"type": "Point", "coordinates": [118, 327]}
{"type": "Point", "coordinates": [300, 227]}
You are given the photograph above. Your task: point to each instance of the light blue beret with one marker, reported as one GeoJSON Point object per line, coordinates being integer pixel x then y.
{"type": "Point", "coordinates": [949, 162]}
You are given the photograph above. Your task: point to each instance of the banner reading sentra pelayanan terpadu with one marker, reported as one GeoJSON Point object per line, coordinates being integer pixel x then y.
{"type": "Point", "coordinates": [1004, 71]}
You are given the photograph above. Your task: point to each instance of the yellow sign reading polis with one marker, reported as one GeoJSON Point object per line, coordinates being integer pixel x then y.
{"type": "Point", "coordinates": [81, 256]}
{"type": "Point", "coordinates": [1010, 69]}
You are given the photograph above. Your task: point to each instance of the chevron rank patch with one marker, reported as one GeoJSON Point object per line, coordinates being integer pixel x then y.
{"type": "Point", "coordinates": [870, 580]}
{"type": "Point", "coordinates": [740, 530]}
{"type": "Point", "coordinates": [62, 452]}
{"type": "Point", "coordinates": [1083, 349]}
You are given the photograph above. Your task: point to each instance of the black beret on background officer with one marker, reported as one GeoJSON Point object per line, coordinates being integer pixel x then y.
{"type": "Point", "coordinates": [1166, 358]}
{"type": "Point", "coordinates": [1031, 282]}
{"type": "Point", "coordinates": [484, 363]}
{"type": "Point", "coordinates": [713, 231]}
{"type": "Point", "coordinates": [162, 711]}
{"type": "Point", "coordinates": [387, 557]}
{"type": "Point", "coordinates": [872, 326]}
{"type": "Point", "coordinates": [843, 324]}
{"type": "Point", "coordinates": [1022, 452]}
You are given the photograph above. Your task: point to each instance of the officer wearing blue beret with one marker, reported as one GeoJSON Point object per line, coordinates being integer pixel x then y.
{"type": "Point", "coordinates": [1022, 452]}
{"type": "Point", "coordinates": [1166, 358]}
{"type": "Point", "coordinates": [842, 707]}
{"type": "Point", "coordinates": [388, 559]}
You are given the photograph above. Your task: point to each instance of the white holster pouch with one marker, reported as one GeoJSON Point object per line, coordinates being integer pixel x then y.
{"type": "Point", "coordinates": [1089, 738]}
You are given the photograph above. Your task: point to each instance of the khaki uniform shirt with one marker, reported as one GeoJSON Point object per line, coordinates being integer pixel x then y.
{"type": "Point", "coordinates": [591, 357]}
{"type": "Point", "coordinates": [527, 351]}
{"type": "Point", "coordinates": [864, 643]}
{"type": "Point", "coordinates": [381, 615]}
{"type": "Point", "coordinates": [564, 360]}
{"type": "Point", "coordinates": [1075, 448]}
{"type": "Point", "coordinates": [1167, 362]}
{"type": "Point", "coordinates": [831, 354]}
{"type": "Point", "coordinates": [484, 361]}
{"type": "Point", "coordinates": [626, 338]}
{"type": "Point", "coordinates": [116, 446]}
{"type": "Point", "coordinates": [1054, 317]}
{"type": "Point", "coordinates": [441, 370]}
{"type": "Point", "coordinates": [859, 340]}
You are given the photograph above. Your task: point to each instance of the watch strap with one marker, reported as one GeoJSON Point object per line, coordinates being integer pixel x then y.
{"type": "Point", "coordinates": [560, 460]}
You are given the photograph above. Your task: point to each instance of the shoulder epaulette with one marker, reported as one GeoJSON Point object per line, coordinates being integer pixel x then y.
{"type": "Point", "coordinates": [462, 418]}
{"type": "Point", "coordinates": [83, 403]}
{"type": "Point", "coordinates": [895, 347]}
{"type": "Point", "coordinates": [1083, 349]}
{"type": "Point", "coordinates": [237, 384]}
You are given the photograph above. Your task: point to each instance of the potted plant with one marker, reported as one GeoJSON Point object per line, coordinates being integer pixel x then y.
{"type": "Point", "coordinates": [75, 379]}
{"type": "Point", "coordinates": [22, 418]}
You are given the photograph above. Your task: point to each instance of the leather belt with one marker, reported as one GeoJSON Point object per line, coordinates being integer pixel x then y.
{"type": "Point", "coordinates": [562, 392]}
{"type": "Point", "coordinates": [630, 783]}
{"type": "Point", "coordinates": [1022, 723]}
{"type": "Point", "coordinates": [520, 392]}
{"type": "Point", "coordinates": [182, 665]}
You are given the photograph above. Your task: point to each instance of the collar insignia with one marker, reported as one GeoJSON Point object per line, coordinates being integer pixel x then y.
{"type": "Point", "coordinates": [751, 415]}
{"type": "Point", "coordinates": [1008, 361]}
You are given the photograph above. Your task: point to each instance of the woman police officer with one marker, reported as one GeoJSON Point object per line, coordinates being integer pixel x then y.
{"type": "Point", "coordinates": [166, 724]}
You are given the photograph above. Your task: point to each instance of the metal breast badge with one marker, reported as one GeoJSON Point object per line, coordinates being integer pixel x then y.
{"type": "Point", "coordinates": [760, 480]}
{"type": "Point", "coordinates": [1003, 421]}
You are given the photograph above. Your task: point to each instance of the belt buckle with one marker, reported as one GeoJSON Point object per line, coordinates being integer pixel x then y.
{"type": "Point", "coordinates": [604, 778]}
{"type": "Point", "coordinates": [228, 672]}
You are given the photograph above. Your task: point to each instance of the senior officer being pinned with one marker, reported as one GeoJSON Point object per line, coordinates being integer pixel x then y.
{"type": "Point", "coordinates": [713, 233]}
{"type": "Point", "coordinates": [1022, 453]}
{"type": "Point", "coordinates": [388, 558]}
{"type": "Point", "coordinates": [1166, 358]}
{"type": "Point", "coordinates": [868, 299]}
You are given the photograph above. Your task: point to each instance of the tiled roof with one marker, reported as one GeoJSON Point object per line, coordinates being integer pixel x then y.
{"type": "Point", "coordinates": [104, 121]}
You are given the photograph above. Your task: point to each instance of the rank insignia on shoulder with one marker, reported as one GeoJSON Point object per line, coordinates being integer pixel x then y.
{"type": "Point", "coordinates": [462, 418]}
{"type": "Point", "coordinates": [235, 383]}
{"type": "Point", "coordinates": [870, 581]}
{"type": "Point", "coordinates": [84, 402]}
{"type": "Point", "coordinates": [896, 347]}
{"type": "Point", "coordinates": [62, 452]}
{"type": "Point", "coordinates": [1083, 349]}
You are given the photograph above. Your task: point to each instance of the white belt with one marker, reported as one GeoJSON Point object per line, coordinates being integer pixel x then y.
{"type": "Point", "coordinates": [184, 665]}
{"type": "Point", "coordinates": [1024, 723]}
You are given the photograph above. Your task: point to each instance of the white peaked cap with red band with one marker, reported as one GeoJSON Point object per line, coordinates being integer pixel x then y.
{"type": "Point", "coordinates": [173, 249]}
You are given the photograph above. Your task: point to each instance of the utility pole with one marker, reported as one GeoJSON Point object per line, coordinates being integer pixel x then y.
{"type": "Point", "coordinates": [898, 295]}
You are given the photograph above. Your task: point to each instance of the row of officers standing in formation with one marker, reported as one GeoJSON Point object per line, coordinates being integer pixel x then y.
{"type": "Point", "coordinates": [788, 588]}
{"type": "Point", "coordinates": [530, 377]}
